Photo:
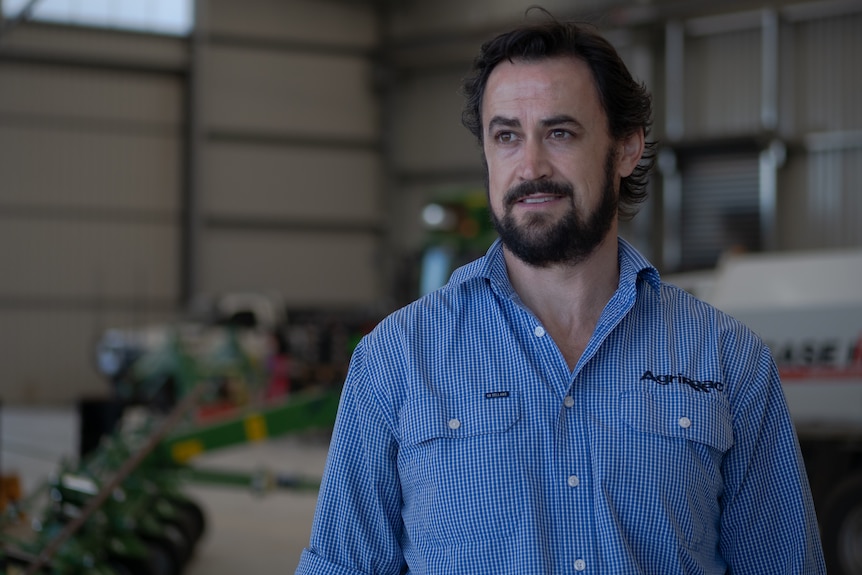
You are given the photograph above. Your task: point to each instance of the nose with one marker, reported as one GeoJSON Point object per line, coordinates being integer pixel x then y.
{"type": "Point", "coordinates": [534, 161]}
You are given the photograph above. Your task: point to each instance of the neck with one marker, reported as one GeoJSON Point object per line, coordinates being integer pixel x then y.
{"type": "Point", "coordinates": [569, 298]}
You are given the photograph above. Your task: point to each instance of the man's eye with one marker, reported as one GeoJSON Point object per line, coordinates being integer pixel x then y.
{"type": "Point", "coordinates": [505, 137]}
{"type": "Point", "coordinates": [559, 134]}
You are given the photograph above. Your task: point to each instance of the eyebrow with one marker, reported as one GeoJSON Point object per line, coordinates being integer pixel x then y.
{"type": "Point", "coordinates": [500, 121]}
{"type": "Point", "coordinates": [561, 119]}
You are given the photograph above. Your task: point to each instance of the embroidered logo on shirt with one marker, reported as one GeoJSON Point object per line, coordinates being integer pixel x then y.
{"type": "Point", "coordinates": [705, 385]}
{"type": "Point", "coordinates": [495, 394]}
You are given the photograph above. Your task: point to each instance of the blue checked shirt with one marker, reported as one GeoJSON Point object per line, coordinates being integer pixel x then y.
{"type": "Point", "coordinates": [465, 445]}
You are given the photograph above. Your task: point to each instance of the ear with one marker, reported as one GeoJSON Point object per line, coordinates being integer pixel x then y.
{"type": "Point", "coordinates": [629, 151]}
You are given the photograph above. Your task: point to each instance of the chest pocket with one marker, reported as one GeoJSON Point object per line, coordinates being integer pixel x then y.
{"type": "Point", "coordinates": [457, 465]}
{"type": "Point", "coordinates": [684, 437]}
{"type": "Point", "coordinates": [678, 414]}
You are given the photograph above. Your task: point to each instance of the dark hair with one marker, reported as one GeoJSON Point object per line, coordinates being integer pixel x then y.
{"type": "Point", "coordinates": [627, 103]}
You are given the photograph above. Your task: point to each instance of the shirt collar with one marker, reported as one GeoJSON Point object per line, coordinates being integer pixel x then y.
{"type": "Point", "coordinates": [633, 265]}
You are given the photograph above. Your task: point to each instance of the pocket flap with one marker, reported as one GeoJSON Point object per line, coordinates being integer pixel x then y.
{"type": "Point", "coordinates": [433, 417]}
{"type": "Point", "coordinates": [700, 418]}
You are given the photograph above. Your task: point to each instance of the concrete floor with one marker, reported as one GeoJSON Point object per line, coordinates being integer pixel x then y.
{"type": "Point", "coordinates": [258, 533]}
{"type": "Point", "coordinates": [246, 532]}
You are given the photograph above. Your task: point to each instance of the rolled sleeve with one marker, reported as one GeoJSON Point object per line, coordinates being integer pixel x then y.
{"type": "Point", "coordinates": [768, 523]}
{"type": "Point", "coordinates": [310, 563]}
{"type": "Point", "coordinates": [357, 523]}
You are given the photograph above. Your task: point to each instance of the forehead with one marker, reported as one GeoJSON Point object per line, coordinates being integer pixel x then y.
{"type": "Point", "coordinates": [551, 86]}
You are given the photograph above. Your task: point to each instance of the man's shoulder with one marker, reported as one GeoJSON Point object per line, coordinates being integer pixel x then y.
{"type": "Point", "coordinates": [468, 285]}
{"type": "Point", "coordinates": [699, 324]}
{"type": "Point", "coordinates": [437, 306]}
{"type": "Point", "coordinates": [674, 295]}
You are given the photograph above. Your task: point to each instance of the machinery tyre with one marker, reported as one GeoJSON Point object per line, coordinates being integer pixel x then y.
{"type": "Point", "coordinates": [178, 539]}
{"type": "Point", "coordinates": [120, 568]}
{"type": "Point", "coordinates": [133, 565]}
{"type": "Point", "coordinates": [182, 533]}
{"type": "Point", "coordinates": [18, 565]}
{"type": "Point", "coordinates": [841, 527]}
{"type": "Point", "coordinates": [166, 556]}
{"type": "Point", "coordinates": [163, 559]}
{"type": "Point", "coordinates": [192, 516]}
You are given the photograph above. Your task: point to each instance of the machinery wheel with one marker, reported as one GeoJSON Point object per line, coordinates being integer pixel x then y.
{"type": "Point", "coordinates": [165, 556]}
{"type": "Point", "coordinates": [159, 560]}
{"type": "Point", "coordinates": [841, 527]}
{"type": "Point", "coordinates": [129, 566]}
{"type": "Point", "coordinates": [181, 534]}
{"type": "Point", "coordinates": [179, 540]}
{"type": "Point", "coordinates": [119, 568]}
{"type": "Point", "coordinates": [162, 559]}
{"type": "Point", "coordinates": [192, 516]}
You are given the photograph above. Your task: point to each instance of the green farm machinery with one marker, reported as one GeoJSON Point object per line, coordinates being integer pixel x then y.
{"type": "Point", "coordinates": [121, 509]}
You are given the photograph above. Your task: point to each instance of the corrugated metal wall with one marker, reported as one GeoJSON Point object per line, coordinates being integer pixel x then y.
{"type": "Point", "coordinates": [290, 157]}
{"type": "Point", "coordinates": [826, 52]}
{"type": "Point", "coordinates": [820, 201]}
{"type": "Point", "coordinates": [424, 21]}
{"type": "Point", "coordinates": [722, 84]}
{"type": "Point", "coordinates": [312, 161]}
{"type": "Point", "coordinates": [784, 79]}
{"type": "Point", "coordinates": [90, 180]}
{"type": "Point", "coordinates": [720, 206]}
{"type": "Point", "coordinates": [107, 219]}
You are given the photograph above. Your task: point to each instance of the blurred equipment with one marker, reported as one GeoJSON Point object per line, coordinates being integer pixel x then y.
{"type": "Point", "coordinates": [112, 513]}
{"type": "Point", "coordinates": [458, 230]}
{"type": "Point", "coordinates": [251, 341]}
{"type": "Point", "coordinates": [236, 330]}
{"type": "Point", "coordinates": [222, 378]}
{"type": "Point", "coordinates": [122, 509]}
{"type": "Point", "coordinates": [10, 491]}
{"type": "Point", "coordinates": [808, 309]}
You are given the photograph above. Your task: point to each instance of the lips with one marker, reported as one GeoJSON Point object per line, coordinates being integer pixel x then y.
{"type": "Point", "coordinates": [538, 192]}
{"type": "Point", "coordinates": [538, 199]}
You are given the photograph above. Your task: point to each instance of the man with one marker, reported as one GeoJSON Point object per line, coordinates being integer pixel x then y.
{"type": "Point", "coordinates": [555, 408]}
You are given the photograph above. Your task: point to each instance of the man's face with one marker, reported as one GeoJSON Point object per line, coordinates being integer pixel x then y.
{"type": "Point", "coordinates": [552, 169]}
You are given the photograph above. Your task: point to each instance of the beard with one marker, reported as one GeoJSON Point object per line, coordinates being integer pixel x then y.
{"type": "Point", "coordinates": [541, 242]}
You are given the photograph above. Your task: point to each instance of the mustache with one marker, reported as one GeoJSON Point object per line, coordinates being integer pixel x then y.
{"type": "Point", "coordinates": [532, 187]}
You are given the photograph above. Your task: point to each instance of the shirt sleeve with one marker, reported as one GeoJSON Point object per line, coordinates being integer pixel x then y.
{"type": "Point", "coordinates": [357, 524]}
{"type": "Point", "coordinates": [768, 523]}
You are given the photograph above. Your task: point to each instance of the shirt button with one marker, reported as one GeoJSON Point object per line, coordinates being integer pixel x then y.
{"type": "Point", "coordinates": [568, 401]}
{"type": "Point", "coordinates": [539, 331]}
{"type": "Point", "coordinates": [573, 481]}
{"type": "Point", "coordinates": [454, 423]}
{"type": "Point", "coordinates": [580, 565]}
{"type": "Point", "coordinates": [684, 422]}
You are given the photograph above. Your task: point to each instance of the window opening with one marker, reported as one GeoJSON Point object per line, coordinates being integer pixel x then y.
{"type": "Point", "coordinates": [170, 17]}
